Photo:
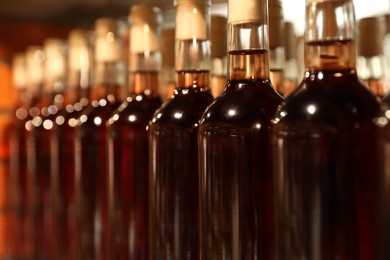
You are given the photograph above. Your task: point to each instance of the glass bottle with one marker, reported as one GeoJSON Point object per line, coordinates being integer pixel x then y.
{"type": "Point", "coordinates": [276, 45]}
{"type": "Point", "coordinates": [326, 150]}
{"type": "Point", "coordinates": [370, 54]}
{"type": "Point", "coordinates": [218, 54]}
{"type": "Point", "coordinates": [234, 137]}
{"type": "Point", "coordinates": [17, 158]}
{"type": "Point", "coordinates": [91, 178]}
{"type": "Point", "coordinates": [38, 149]}
{"type": "Point", "coordinates": [128, 139]}
{"type": "Point", "coordinates": [290, 63]}
{"type": "Point", "coordinates": [173, 160]}
{"type": "Point", "coordinates": [62, 144]}
{"type": "Point", "coordinates": [167, 41]}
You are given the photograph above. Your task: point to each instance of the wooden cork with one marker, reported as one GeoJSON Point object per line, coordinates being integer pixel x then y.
{"type": "Point", "coordinates": [168, 47]}
{"type": "Point", "coordinates": [370, 36]}
{"type": "Point", "coordinates": [276, 23]}
{"type": "Point", "coordinates": [290, 41]}
{"type": "Point", "coordinates": [218, 36]}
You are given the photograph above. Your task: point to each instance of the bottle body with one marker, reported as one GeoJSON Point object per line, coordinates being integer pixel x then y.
{"type": "Point", "coordinates": [128, 170]}
{"type": "Point", "coordinates": [173, 177]}
{"type": "Point", "coordinates": [328, 164]}
{"type": "Point", "coordinates": [91, 182]}
{"type": "Point", "coordinates": [235, 172]}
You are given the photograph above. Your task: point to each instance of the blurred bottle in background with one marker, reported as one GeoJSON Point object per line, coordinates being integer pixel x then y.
{"type": "Point", "coordinates": [218, 41]}
{"type": "Point", "coordinates": [291, 76]}
{"type": "Point", "coordinates": [371, 60]}
{"type": "Point", "coordinates": [127, 139]}
{"type": "Point", "coordinates": [276, 45]}
{"type": "Point", "coordinates": [79, 69]}
{"type": "Point", "coordinates": [90, 154]}
{"type": "Point", "coordinates": [168, 80]}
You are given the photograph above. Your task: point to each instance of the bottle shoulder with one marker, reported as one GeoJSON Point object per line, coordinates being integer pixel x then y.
{"type": "Point", "coordinates": [184, 109]}
{"type": "Point", "coordinates": [335, 98]}
{"type": "Point", "coordinates": [135, 110]}
{"type": "Point", "coordinates": [244, 103]}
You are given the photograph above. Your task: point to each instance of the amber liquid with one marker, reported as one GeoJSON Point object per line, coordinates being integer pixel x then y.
{"type": "Point", "coordinates": [235, 169]}
{"type": "Point", "coordinates": [91, 179]}
{"type": "Point", "coordinates": [377, 86]}
{"type": "Point", "coordinates": [62, 180]}
{"type": "Point", "coordinates": [289, 85]}
{"type": "Point", "coordinates": [129, 175]}
{"type": "Point", "coordinates": [174, 171]}
{"type": "Point", "coordinates": [218, 84]}
{"type": "Point", "coordinates": [328, 166]}
{"type": "Point", "coordinates": [277, 81]}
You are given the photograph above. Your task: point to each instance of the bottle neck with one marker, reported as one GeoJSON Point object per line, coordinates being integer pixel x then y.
{"type": "Point", "coordinates": [144, 82]}
{"type": "Point", "coordinates": [330, 35]}
{"type": "Point", "coordinates": [107, 79]}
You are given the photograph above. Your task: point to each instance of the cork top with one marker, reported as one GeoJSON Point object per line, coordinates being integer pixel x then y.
{"type": "Point", "coordinates": [370, 36]}
{"type": "Point", "coordinates": [104, 25]}
{"type": "Point", "coordinates": [35, 56]}
{"type": "Point", "coordinates": [250, 11]}
{"type": "Point", "coordinates": [107, 47]}
{"type": "Point", "coordinates": [78, 55]}
{"type": "Point", "coordinates": [144, 30]}
{"type": "Point", "coordinates": [55, 59]}
{"type": "Point", "coordinates": [322, 1]}
{"type": "Point", "coordinates": [290, 41]}
{"type": "Point", "coordinates": [19, 74]}
{"type": "Point", "coordinates": [218, 36]}
{"type": "Point", "coordinates": [197, 2]}
{"type": "Point", "coordinates": [167, 40]}
{"type": "Point", "coordinates": [192, 17]}
{"type": "Point", "coordinates": [77, 36]}
{"type": "Point", "coordinates": [276, 23]}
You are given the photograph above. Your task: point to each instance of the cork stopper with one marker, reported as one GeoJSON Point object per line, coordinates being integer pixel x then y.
{"type": "Point", "coordinates": [290, 41]}
{"type": "Point", "coordinates": [386, 17]}
{"type": "Point", "coordinates": [55, 62]}
{"type": "Point", "coordinates": [19, 73]}
{"type": "Point", "coordinates": [145, 23]}
{"type": "Point", "coordinates": [168, 51]}
{"type": "Point", "coordinates": [370, 36]}
{"type": "Point", "coordinates": [192, 19]}
{"type": "Point", "coordinates": [275, 14]}
{"type": "Point", "coordinates": [218, 36]}
{"type": "Point", "coordinates": [107, 40]}
{"type": "Point", "coordinates": [78, 55]}
{"type": "Point", "coordinates": [35, 56]}
{"type": "Point", "coordinates": [250, 11]}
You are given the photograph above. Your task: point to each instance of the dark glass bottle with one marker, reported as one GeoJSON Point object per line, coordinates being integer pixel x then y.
{"type": "Point", "coordinates": [234, 141]}
{"type": "Point", "coordinates": [327, 155]}
{"type": "Point", "coordinates": [62, 145]}
{"type": "Point", "coordinates": [16, 178]}
{"type": "Point", "coordinates": [91, 178]}
{"type": "Point", "coordinates": [173, 160]}
{"type": "Point", "coordinates": [128, 140]}
{"type": "Point", "coordinates": [40, 228]}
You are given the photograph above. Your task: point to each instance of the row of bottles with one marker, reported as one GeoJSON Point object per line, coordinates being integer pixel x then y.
{"type": "Point", "coordinates": [105, 165]}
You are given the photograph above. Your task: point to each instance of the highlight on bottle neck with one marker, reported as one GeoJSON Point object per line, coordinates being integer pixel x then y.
{"type": "Point", "coordinates": [144, 38]}
{"type": "Point", "coordinates": [192, 35]}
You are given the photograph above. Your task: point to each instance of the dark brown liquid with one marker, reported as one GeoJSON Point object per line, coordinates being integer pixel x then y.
{"type": "Point", "coordinates": [235, 173]}
{"type": "Point", "coordinates": [328, 166]}
{"type": "Point", "coordinates": [129, 175]}
{"type": "Point", "coordinates": [62, 181]}
{"type": "Point", "coordinates": [386, 99]}
{"type": "Point", "coordinates": [40, 228]}
{"type": "Point", "coordinates": [174, 175]}
{"type": "Point", "coordinates": [91, 180]}
{"type": "Point", "coordinates": [17, 189]}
